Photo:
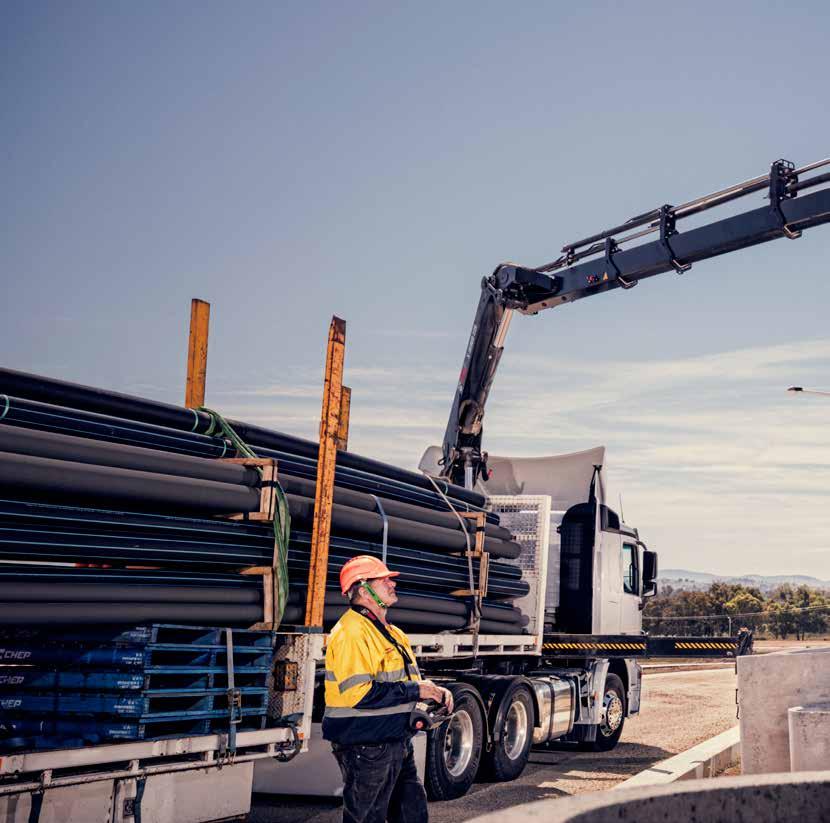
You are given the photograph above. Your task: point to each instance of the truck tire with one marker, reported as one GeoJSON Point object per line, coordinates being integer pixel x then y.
{"type": "Point", "coordinates": [610, 727]}
{"type": "Point", "coordinates": [510, 752]}
{"type": "Point", "coordinates": [454, 750]}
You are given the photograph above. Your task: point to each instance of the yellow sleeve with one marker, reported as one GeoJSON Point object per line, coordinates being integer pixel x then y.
{"type": "Point", "coordinates": [350, 669]}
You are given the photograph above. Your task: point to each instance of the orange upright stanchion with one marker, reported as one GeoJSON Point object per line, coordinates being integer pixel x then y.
{"type": "Point", "coordinates": [326, 460]}
{"type": "Point", "coordinates": [194, 395]}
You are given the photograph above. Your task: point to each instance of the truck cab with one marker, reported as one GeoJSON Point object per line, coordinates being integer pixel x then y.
{"type": "Point", "coordinates": [599, 571]}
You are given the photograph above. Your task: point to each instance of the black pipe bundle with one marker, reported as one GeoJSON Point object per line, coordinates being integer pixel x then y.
{"type": "Point", "coordinates": [48, 533]}
{"type": "Point", "coordinates": [73, 449]}
{"type": "Point", "coordinates": [126, 485]}
{"type": "Point", "coordinates": [36, 595]}
{"type": "Point", "coordinates": [29, 414]}
{"type": "Point", "coordinates": [87, 398]}
{"type": "Point", "coordinates": [117, 475]}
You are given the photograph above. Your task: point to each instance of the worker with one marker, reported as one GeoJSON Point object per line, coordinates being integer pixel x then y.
{"type": "Point", "coordinates": [372, 685]}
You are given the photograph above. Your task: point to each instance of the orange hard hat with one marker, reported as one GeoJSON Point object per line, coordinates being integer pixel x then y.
{"type": "Point", "coordinates": [362, 567]}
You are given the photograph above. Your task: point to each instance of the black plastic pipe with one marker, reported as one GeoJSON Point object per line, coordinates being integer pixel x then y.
{"type": "Point", "coordinates": [22, 474]}
{"type": "Point", "coordinates": [74, 449]}
{"type": "Point", "coordinates": [24, 574]}
{"type": "Point", "coordinates": [138, 523]}
{"type": "Point", "coordinates": [207, 614]}
{"type": "Point", "coordinates": [116, 593]}
{"type": "Point", "coordinates": [32, 414]}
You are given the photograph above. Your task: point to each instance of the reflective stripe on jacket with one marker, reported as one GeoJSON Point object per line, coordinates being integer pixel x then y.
{"type": "Point", "coordinates": [368, 695]}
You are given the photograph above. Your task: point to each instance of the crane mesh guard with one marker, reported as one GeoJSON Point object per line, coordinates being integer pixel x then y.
{"type": "Point", "coordinates": [528, 519]}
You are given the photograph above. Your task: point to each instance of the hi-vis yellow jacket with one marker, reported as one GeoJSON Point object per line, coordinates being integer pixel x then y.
{"type": "Point", "coordinates": [369, 695]}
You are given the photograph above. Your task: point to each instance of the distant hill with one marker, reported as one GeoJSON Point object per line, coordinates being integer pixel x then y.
{"type": "Point", "coordinates": [686, 579]}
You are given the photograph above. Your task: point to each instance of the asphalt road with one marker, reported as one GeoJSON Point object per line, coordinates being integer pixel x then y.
{"type": "Point", "coordinates": [680, 710]}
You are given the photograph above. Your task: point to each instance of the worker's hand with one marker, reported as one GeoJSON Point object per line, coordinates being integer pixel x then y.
{"type": "Point", "coordinates": [427, 690]}
{"type": "Point", "coordinates": [447, 701]}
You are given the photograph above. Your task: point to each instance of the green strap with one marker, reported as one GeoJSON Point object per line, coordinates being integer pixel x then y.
{"type": "Point", "coordinates": [282, 516]}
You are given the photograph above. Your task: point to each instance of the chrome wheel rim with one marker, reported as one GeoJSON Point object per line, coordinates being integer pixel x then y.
{"type": "Point", "coordinates": [458, 743]}
{"type": "Point", "coordinates": [514, 733]}
{"type": "Point", "coordinates": [612, 713]}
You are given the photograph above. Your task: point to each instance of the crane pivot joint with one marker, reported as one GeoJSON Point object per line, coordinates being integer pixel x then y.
{"type": "Point", "coordinates": [782, 182]}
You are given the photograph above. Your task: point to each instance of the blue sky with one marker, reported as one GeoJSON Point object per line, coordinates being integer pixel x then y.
{"type": "Point", "coordinates": [288, 161]}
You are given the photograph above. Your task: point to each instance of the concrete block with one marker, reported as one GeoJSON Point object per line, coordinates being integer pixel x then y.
{"type": "Point", "coordinates": [704, 760]}
{"type": "Point", "coordinates": [768, 685]}
{"type": "Point", "coordinates": [809, 728]}
{"type": "Point", "coordinates": [766, 798]}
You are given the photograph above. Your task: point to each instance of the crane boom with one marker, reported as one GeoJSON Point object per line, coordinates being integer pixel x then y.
{"type": "Point", "coordinates": [598, 264]}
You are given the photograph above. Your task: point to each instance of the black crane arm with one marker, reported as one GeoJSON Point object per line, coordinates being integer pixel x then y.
{"type": "Point", "coordinates": [598, 264]}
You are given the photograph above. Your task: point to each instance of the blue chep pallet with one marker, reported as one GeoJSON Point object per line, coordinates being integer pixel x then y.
{"type": "Point", "coordinates": [168, 656]}
{"type": "Point", "coordinates": [20, 678]}
{"type": "Point", "coordinates": [142, 705]}
{"type": "Point", "coordinates": [126, 684]}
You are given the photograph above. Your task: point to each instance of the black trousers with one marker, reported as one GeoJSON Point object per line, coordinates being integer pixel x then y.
{"type": "Point", "coordinates": [381, 783]}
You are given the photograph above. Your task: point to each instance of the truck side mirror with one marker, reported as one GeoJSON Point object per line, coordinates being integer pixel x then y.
{"type": "Point", "coordinates": [649, 573]}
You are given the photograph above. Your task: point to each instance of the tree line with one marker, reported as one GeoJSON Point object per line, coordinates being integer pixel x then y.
{"type": "Point", "coordinates": [724, 608]}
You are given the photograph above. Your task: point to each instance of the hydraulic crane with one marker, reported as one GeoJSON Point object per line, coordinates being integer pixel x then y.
{"type": "Point", "coordinates": [598, 263]}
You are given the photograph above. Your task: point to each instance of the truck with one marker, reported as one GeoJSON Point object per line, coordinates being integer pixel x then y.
{"type": "Point", "coordinates": [575, 677]}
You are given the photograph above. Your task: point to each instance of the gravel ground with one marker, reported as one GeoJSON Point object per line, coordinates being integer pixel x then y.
{"type": "Point", "coordinates": [680, 710]}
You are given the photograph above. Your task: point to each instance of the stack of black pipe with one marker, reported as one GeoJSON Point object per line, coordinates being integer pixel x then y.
{"type": "Point", "coordinates": [126, 492]}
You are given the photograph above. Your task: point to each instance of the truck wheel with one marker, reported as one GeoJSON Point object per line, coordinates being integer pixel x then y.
{"type": "Point", "coordinates": [454, 750]}
{"type": "Point", "coordinates": [610, 727]}
{"type": "Point", "coordinates": [510, 752]}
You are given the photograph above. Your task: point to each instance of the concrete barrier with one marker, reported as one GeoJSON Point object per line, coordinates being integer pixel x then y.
{"type": "Point", "coordinates": [779, 798]}
{"type": "Point", "coordinates": [704, 760]}
{"type": "Point", "coordinates": [768, 685]}
{"type": "Point", "coordinates": [809, 737]}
